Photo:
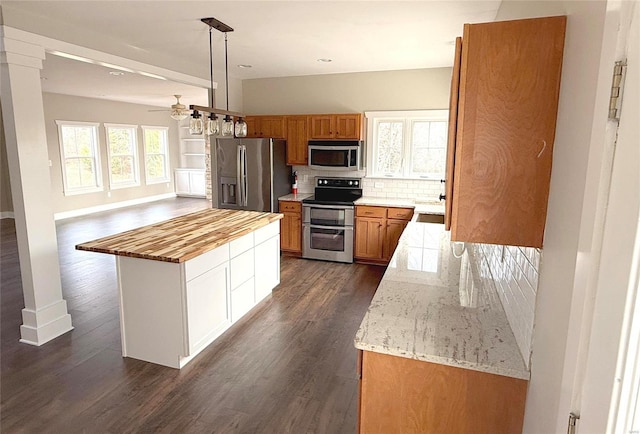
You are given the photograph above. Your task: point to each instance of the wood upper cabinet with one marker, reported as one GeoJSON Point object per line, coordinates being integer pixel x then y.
{"type": "Point", "coordinates": [335, 126]}
{"type": "Point", "coordinates": [265, 126]}
{"type": "Point", "coordinates": [297, 140]}
{"type": "Point", "coordinates": [503, 107]}
{"type": "Point", "coordinates": [377, 231]}
{"type": "Point", "coordinates": [291, 227]}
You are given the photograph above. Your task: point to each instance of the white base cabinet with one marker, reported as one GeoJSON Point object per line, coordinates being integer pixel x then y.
{"type": "Point", "coordinates": [170, 312]}
{"type": "Point", "coordinates": [190, 182]}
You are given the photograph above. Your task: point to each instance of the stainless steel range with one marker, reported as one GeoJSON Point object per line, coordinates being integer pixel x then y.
{"type": "Point", "coordinates": [328, 219]}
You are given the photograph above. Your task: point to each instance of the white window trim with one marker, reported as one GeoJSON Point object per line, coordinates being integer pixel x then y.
{"type": "Point", "coordinates": [136, 170]}
{"type": "Point", "coordinates": [407, 116]}
{"type": "Point", "coordinates": [67, 191]}
{"type": "Point", "coordinates": [167, 165]}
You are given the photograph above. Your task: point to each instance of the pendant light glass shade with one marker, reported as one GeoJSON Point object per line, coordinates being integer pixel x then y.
{"type": "Point", "coordinates": [212, 126]}
{"type": "Point", "coordinates": [195, 124]}
{"type": "Point", "coordinates": [227, 126]}
{"type": "Point", "coordinates": [241, 128]}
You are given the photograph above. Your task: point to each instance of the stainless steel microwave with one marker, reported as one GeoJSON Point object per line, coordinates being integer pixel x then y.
{"type": "Point", "coordinates": [335, 155]}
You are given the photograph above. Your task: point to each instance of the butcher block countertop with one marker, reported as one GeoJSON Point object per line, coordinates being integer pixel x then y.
{"type": "Point", "coordinates": [182, 238]}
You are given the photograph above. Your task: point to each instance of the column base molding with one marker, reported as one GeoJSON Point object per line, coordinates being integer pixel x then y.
{"type": "Point", "coordinates": [42, 325]}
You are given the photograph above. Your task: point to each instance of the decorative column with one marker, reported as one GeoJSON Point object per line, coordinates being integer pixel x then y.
{"type": "Point", "coordinates": [45, 314]}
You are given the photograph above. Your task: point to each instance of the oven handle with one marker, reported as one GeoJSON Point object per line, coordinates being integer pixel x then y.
{"type": "Point", "coordinates": [313, 205]}
{"type": "Point", "coordinates": [339, 228]}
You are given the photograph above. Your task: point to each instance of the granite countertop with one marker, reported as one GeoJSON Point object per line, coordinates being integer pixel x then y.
{"type": "Point", "coordinates": [424, 310]}
{"type": "Point", "coordinates": [295, 197]}
{"type": "Point", "coordinates": [182, 238]}
{"type": "Point", "coordinates": [431, 207]}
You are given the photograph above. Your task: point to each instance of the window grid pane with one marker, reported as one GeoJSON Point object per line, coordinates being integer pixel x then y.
{"type": "Point", "coordinates": [389, 144]}
{"type": "Point", "coordinates": [156, 158]}
{"type": "Point", "coordinates": [79, 157]}
{"type": "Point", "coordinates": [428, 153]}
{"type": "Point", "coordinates": [122, 151]}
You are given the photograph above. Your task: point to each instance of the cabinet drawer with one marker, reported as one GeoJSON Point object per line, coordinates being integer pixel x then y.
{"type": "Point", "coordinates": [290, 207]}
{"type": "Point", "coordinates": [400, 213]}
{"type": "Point", "coordinates": [240, 245]}
{"type": "Point", "coordinates": [242, 268]}
{"type": "Point", "coordinates": [242, 299]}
{"type": "Point", "coordinates": [206, 261]}
{"type": "Point", "coordinates": [266, 232]}
{"type": "Point", "coordinates": [371, 211]}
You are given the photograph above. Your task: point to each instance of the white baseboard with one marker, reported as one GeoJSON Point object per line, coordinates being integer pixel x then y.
{"type": "Point", "coordinates": [110, 206]}
{"type": "Point", "coordinates": [7, 215]}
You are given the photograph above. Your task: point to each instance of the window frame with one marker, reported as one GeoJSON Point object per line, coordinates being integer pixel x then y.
{"type": "Point", "coordinates": [167, 164]}
{"type": "Point", "coordinates": [135, 165]}
{"type": "Point", "coordinates": [72, 191]}
{"type": "Point", "coordinates": [407, 118]}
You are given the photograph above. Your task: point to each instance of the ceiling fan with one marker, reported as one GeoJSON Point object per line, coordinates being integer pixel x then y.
{"type": "Point", "coordinates": [179, 111]}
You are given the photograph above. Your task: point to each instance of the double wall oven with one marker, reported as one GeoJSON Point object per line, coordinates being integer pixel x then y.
{"type": "Point", "coordinates": [328, 219]}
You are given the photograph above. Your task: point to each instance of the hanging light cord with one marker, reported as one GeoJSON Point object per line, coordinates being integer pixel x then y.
{"type": "Point", "coordinates": [211, 95]}
{"type": "Point", "coordinates": [226, 69]}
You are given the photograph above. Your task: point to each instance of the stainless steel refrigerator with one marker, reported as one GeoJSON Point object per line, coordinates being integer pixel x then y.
{"type": "Point", "coordinates": [251, 174]}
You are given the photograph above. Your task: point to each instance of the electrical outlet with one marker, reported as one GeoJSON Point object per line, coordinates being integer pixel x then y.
{"type": "Point", "coordinates": [378, 184]}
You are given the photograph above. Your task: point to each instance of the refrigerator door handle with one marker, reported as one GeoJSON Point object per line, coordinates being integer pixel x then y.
{"type": "Point", "coordinates": [239, 188]}
{"type": "Point", "coordinates": [245, 184]}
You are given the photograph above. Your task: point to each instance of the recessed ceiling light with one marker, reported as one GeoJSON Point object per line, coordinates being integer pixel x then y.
{"type": "Point", "coordinates": [245, 66]}
{"type": "Point", "coordinates": [116, 73]}
{"type": "Point", "coordinates": [325, 60]}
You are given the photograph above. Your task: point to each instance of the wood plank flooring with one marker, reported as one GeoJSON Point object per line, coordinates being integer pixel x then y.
{"type": "Point", "coordinates": [287, 367]}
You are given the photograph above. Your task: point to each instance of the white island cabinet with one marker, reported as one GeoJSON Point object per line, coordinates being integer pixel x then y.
{"type": "Point", "coordinates": [170, 310]}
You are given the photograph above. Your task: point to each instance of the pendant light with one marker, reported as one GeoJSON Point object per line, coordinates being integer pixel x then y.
{"type": "Point", "coordinates": [195, 123]}
{"type": "Point", "coordinates": [211, 125]}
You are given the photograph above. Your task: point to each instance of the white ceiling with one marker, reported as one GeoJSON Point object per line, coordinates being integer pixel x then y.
{"type": "Point", "coordinates": [278, 38]}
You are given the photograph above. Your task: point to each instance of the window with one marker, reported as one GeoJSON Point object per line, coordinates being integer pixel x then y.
{"type": "Point", "coordinates": [123, 155]}
{"type": "Point", "coordinates": [79, 157]}
{"type": "Point", "coordinates": [407, 144]}
{"type": "Point", "coordinates": [156, 154]}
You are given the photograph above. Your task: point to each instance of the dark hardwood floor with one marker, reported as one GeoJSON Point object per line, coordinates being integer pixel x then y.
{"type": "Point", "coordinates": [287, 367]}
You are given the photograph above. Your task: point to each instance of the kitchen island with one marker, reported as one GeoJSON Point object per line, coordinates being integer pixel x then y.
{"type": "Point", "coordinates": [437, 352]}
{"type": "Point", "coordinates": [184, 281]}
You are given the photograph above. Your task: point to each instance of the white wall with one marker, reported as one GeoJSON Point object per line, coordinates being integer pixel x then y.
{"type": "Point", "coordinates": [570, 215]}
{"type": "Point", "coordinates": [6, 202]}
{"type": "Point", "coordinates": [349, 93]}
{"type": "Point", "coordinates": [72, 108]}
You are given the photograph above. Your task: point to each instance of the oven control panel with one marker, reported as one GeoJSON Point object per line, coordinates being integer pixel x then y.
{"type": "Point", "coordinates": [338, 182]}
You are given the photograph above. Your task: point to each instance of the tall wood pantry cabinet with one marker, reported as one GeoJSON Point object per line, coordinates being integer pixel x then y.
{"type": "Point", "coordinates": [504, 103]}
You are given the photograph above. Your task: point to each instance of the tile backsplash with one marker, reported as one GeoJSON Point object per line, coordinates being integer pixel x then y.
{"type": "Point", "coordinates": [417, 189]}
{"type": "Point", "coordinates": [514, 273]}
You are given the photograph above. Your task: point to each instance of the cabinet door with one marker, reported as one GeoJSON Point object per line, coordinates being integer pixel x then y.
{"type": "Point", "coordinates": [451, 139]}
{"type": "Point", "coordinates": [392, 236]}
{"type": "Point", "coordinates": [321, 126]}
{"type": "Point", "coordinates": [508, 100]}
{"type": "Point", "coordinates": [369, 238]}
{"type": "Point", "coordinates": [297, 140]}
{"type": "Point", "coordinates": [348, 126]}
{"type": "Point", "coordinates": [197, 180]}
{"type": "Point", "coordinates": [272, 126]}
{"type": "Point", "coordinates": [207, 305]}
{"type": "Point", "coordinates": [267, 271]}
{"type": "Point", "coordinates": [291, 232]}
{"type": "Point", "coordinates": [253, 126]}
{"type": "Point", "coordinates": [182, 182]}
{"type": "Point", "coordinates": [242, 299]}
